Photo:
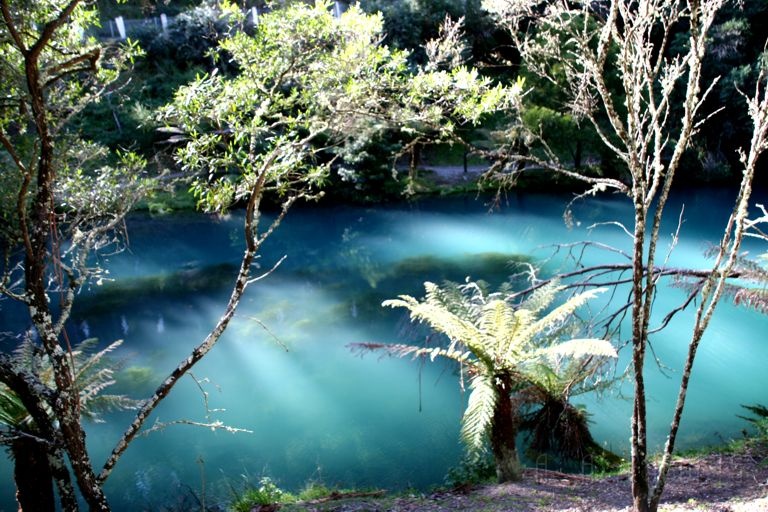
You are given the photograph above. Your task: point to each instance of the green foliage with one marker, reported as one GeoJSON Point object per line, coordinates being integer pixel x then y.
{"type": "Point", "coordinates": [315, 491]}
{"type": "Point", "coordinates": [73, 90]}
{"type": "Point", "coordinates": [762, 430]}
{"type": "Point", "coordinates": [93, 369]}
{"type": "Point", "coordinates": [92, 192]}
{"type": "Point", "coordinates": [491, 336]}
{"type": "Point", "coordinates": [479, 414]}
{"type": "Point", "coordinates": [267, 493]}
{"type": "Point", "coordinates": [759, 418]}
{"type": "Point", "coordinates": [189, 38]}
{"type": "Point", "coordinates": [91, 183]}
{"type": "Point", "coordinates": [365, 169]}
{"type": "Point", "coordinates": [473, 469]}
{"type": "Point", "coordinates": [307, 84]}
{"type": "Point", "coordinates": [570, 140]}
{"type": "Point", "coordinates": [13, 414]}
{"type": "Point", "coordinates": [737, 41]}
{"type": "Point", "coordinates": [125, 118]}
{"type": "Point", "coordinates": [141, 8]}
{"type": "Point", "coordinates": [410, 24]}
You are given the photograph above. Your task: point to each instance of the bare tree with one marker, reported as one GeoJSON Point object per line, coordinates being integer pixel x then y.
{"type": "Point", "coordinates": [647, 117]}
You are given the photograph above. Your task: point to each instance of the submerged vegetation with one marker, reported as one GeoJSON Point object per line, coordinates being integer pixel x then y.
{"type": "Point", "coordinates": [256, 106]}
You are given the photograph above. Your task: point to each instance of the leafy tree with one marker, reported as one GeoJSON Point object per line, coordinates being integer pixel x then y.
{"type": "Point", "coordinates": [189, 38]}
{"type": "Point", "coordinates": [621, 66]}
{"type": "Point", "coordinates": [733, 62]}
{"type": "Point", "coordinates": [305, 81]}
{"type": "Point", "coordinates": [141, 8]}
{"type": "Point", "coordinates": [513, 355]}
{"type": "Point", "coordinates": [62, 203]}
{"type": "Point", "coordinates": [410, 24]}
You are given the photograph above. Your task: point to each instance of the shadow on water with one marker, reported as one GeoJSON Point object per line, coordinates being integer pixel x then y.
{"type": "Point", "coordinates": [366, 282]}
{"type": "Point", "coordinates": [132, 292]}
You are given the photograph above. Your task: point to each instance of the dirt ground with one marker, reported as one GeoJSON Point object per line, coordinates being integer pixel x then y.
{"type": "Point", "coordinates": [715, 483]}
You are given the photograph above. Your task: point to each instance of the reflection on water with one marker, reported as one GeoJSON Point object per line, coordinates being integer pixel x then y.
{"type": "Point", "coordinates": [316, 410]}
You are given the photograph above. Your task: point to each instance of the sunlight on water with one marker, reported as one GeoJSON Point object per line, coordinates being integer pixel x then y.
{"type": "Point", "coordinates": [319, 411]}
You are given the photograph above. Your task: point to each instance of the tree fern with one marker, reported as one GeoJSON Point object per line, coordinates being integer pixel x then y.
{"type": "Point", "coordinates": [479, 413]}
{"type": "Point", "coordinates": [507, 348]}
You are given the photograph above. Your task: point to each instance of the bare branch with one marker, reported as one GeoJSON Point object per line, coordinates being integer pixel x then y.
{"type": "Point", "coordinates": [618, 224]}
{"type": "Point", "coordinates": [268, 331]}
{"type": "Point", "coordinates": [213, 425]}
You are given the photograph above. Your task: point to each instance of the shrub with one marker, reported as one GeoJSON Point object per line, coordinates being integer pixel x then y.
{"type": "Point", "coordinates": [267, 493]}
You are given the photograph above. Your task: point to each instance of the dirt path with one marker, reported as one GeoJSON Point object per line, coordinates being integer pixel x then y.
{"type": "Point", "coordinates": [713, 483]}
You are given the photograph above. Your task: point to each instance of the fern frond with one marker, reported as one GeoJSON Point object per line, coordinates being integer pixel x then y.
{"type": "Point", "coordinates": [545, 377]}
{"type": "Point", "coordinates": [465, 300]}
{"type": "Point", "coordinates": [542, 297]}
{"type": "Point", "coordinates": [93, 374]}
{"type": "Point", "coordinates": [760, 411]}
{"type": "Point", "coordinates": [518, 337]}
{"type": "Point", "coordinates": [101, 404]}
{"type": "Point", "coordinates": [402, 350]}
{"type": "Point", "coordinates": [498, 324]}
{"type": "Point", "coordinates": [578, 348]}
{"type": "Point", "coordinates": [402, 301]}
{"type": "Point", "coordinates": [87, 363]}
{"type": "Point", "coordinates": [560, 313]}
{"type": "Point", "coordinates": [478, 417]}
{"type": "Point", "coordinates": [26, 355]}
{"type": "Point", "coordinates": [458, 330]}
{"type": "Point", "coordinates": [99, 382]}
{"type": "Point", "coordinates": [755, 298]}
{"type": "Point", "coordinates": [12, 412]}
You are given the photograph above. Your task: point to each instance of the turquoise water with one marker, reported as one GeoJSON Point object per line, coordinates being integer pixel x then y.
{"type": "Point", "coordinates": [316, 410]}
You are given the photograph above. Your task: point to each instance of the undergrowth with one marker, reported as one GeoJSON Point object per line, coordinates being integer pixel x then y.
{"type": "Point", "coordinates": [267, 492]}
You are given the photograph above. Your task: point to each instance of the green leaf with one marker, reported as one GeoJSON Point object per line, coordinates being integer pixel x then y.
{"type": "Point", "coordinates": [478, 417]}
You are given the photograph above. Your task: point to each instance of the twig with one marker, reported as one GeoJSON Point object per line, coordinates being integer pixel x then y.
{"type": "Point", "coordinates": [274, 337]}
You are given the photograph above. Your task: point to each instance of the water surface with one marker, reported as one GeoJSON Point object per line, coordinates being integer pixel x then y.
{"type": "Point", "coordinates": [316, 410]}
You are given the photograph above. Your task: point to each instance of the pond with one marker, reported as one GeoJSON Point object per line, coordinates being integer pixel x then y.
{"type": "Point", "coordinates": [318, 411]}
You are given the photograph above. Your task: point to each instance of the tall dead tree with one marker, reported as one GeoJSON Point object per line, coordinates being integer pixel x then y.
{"type": "Point", "coordinates": [645, 101]}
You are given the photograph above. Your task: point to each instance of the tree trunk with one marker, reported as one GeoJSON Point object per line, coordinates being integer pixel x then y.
{"type": "Point", "coordinates": [640, 311]}
{"type": "Point", "coordinates": [32, 475]}
{"type": "Point", "coordinates": [504, 434]}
